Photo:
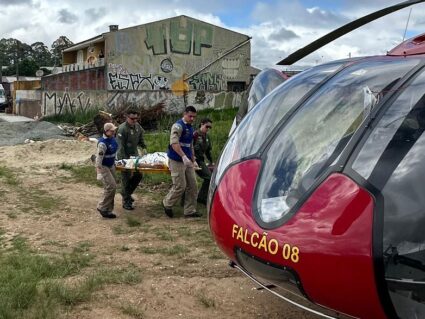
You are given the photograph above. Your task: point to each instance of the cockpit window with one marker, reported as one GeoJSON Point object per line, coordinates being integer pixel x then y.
{"type": "Point", "coordinates": [315, 136]}
{"type": "Point", "coordinates": [264, 117]}
{"type": "Point", "coordinates": [392, 161]}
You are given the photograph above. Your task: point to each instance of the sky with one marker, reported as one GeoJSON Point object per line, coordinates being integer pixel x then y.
{"type": "Point", "coordinates": [277, 27]}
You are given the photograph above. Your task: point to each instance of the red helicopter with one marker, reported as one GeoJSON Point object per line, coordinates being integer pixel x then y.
{"type": "Point", "coordinates": [317, 196]}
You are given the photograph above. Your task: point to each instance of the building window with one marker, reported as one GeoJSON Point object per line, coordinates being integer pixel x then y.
{"type": "Point", "coordinates": [236, 86]}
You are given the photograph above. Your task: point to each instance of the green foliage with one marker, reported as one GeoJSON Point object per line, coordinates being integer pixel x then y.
{"type": "Point", "coordinates": [57, 46]}
{"type": "Point", "coordinates": [132, 311]}
{"type": "Point", "coordinates": [77, 118]}
{"type": "Point", "coordinates": [133, 221]}
{"type": "Point", "coordinates": [7, 176]}
{"type": "Point", "coordinates": [81, 174]}
{"type": "Point", "coordinates": [25, 281]}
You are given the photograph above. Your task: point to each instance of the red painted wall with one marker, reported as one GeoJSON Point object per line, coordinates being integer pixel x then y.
{"type": "Point", "coordinates": [91, 79]}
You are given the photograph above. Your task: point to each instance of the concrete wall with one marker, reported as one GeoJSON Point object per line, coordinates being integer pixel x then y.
{"type": "Point", "coordinates": [22, 85]}
{"type": "Point", "coordinates": [28, 103]}
{"type": "Point", "coordinates": [91, 79]}
{"type": "Point", "coordinates": [59, 102]}
{"type": "Point", "coordinates": [157, 55]}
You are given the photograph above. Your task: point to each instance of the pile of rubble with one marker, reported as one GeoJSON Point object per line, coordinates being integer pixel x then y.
{"type": "Point", "coordinates": [148, 120]}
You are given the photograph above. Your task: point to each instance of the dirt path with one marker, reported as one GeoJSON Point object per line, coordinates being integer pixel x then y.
{"type": "Point", "coordinates": [183, 273]}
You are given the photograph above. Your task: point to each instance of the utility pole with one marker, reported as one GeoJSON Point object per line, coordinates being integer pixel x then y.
{"type": "Point", "coordinates": [17, 60]}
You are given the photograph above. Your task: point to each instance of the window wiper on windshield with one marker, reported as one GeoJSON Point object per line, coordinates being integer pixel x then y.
{"type": "Point", "coordinates": [391, 254]}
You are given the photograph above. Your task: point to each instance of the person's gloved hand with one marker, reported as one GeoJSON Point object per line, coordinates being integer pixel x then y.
{"type": "Point", "coordinates": [99, 176]}
{"type": "Point", "coordinates": [187, 162]}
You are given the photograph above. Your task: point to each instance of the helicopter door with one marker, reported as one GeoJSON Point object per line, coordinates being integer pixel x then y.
{"type": "Point", "coordinates": [392, 160]}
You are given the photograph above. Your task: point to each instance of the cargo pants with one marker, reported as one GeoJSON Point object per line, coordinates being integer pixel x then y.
{"type": "Point", "coordinates": [106, 203]}
{"type": "Point", "coordinates": [184, 182]}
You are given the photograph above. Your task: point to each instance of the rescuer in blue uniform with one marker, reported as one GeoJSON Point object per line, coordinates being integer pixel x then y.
{"type": "Point", "coordinates": [105, 169]}
{"type": "Point", "coordinates": [182, 166]}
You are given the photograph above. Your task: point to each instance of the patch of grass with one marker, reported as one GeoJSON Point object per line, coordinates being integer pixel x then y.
{"type": "Point", "coordinates": [132, 311]}
{"type": "Point", "coordinates": [83, 247]}
{"type": "Point", "coordinates": [216, 254]}
{"type": "Point", "coordinates": [12, 215]}
{"type": "Point", "coordinates": [26, 281]}
{"type": "Point", "coordinates": [81, 174]}
{"type": "Point", "coordinates": [206, 301]}
{"type": "Point", "coordinates": [54, 243]}
{"type": "Point", "coordinates": [39, 201]}
{"type": "Point", "coordinates": [120, 230]}
{"type": "Point", "coordinates": [8, 176]}
{"type": "Point", "coordinates": [133, 221]}
{"type": "Point", "coordinates": [70, 295]}
{"type": "Point", "coordinates": [156, 179]}
{"type": "Point", "coordinates": [178, 250]}
{"type": "Point", "coordinates": [163, 234]}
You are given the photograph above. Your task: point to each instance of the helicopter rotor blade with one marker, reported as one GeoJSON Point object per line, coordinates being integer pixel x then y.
{"type": "Point", "coordinates": [335, 34]}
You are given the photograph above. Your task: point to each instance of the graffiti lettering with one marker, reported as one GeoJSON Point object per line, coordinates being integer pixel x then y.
{"type": "Point", "coordinates": [156, 38]}
{"type": "Point", "coordinates": [183, 35]}
{"type": "Point", "coordinates": [117, 68]}
{"type": "Point", "coordinates": [137, 82]}
{"type": "Point", "coordinates": [145, 100]}
{"type": "Point", "coordinates": [207, 81]}
{"type": "Point", "coordinates": [66, 104]}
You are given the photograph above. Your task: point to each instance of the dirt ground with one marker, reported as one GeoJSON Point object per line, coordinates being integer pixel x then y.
{"type": "Point", "coordinates": [183, 273]}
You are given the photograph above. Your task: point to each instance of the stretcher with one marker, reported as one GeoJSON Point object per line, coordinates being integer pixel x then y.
{"type": "Point", "coordinates": [145, 169]}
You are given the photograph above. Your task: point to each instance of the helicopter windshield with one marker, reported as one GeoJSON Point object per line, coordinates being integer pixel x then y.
{"type": "Point", "coordinates": [254, 129]}
{"type": "Point", "coordinates": [318, 132]}
{"type": "Point", "coordinates": [391, 159]}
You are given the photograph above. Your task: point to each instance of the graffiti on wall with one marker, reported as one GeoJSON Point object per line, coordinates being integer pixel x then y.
{"type": "Point", "coordinates": [145, 100]}
{"type": "Point", "coordinates": [231, 67]}
{"type": "Point", "coordinates": [137, 81]}
{"type": "Point", "coordinates": [185, 37]}
{"type": "Point", "coordinates": [65, 103]}
{"type": "Point", "coordinates": [207, 81]}
{"type": "Point", "coordinates": [117, 68]}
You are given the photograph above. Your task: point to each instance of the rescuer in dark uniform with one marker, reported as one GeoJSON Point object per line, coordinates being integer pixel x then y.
{"type": "Point", "coordinates": [129, 137]}
{"type": "Point", "coordinates": [202, 146]}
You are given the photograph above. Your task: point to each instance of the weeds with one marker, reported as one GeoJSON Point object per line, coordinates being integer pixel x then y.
{"type": "Point", "coordinates": [132, 311]}
{"type": "Point", "coordinates": [8, 176]}
{"type": "Point", "coordinates": [81, 174]}
{"type": "Point", "coordinates": [206, 301]}
{"type": "Point", "coordinates": [178, 250]}
{"type": "Point", "coordinates": [133, 221]}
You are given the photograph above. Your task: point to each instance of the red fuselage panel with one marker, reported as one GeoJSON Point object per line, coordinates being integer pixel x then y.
{"type": "Point", "coordinates": [328, 242]}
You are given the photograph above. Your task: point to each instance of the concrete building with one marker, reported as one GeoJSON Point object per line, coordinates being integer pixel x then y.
{"type": "Point", "coordinates": [178, 61]}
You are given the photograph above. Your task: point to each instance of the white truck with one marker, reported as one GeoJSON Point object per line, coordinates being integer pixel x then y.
{"type": "Point", "coordinates": [3, 99]}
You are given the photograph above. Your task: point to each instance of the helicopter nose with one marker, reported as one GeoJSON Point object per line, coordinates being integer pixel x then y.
{"type": "Point", "coordinates": [327, 243]}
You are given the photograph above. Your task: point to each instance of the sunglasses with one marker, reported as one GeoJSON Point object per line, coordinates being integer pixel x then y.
{"type": "Point", "coordinates": [133, 118]}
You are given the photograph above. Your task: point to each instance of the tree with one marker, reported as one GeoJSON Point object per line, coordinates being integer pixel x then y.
{"type": "Point", "coordinates": [8, 51]}
{"type": "Point", "coordinates": [28, 67]}
{"type": "Point", "coordinates": [57, 46]}
{"type": "Point", "coordinates": [41, 54]}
